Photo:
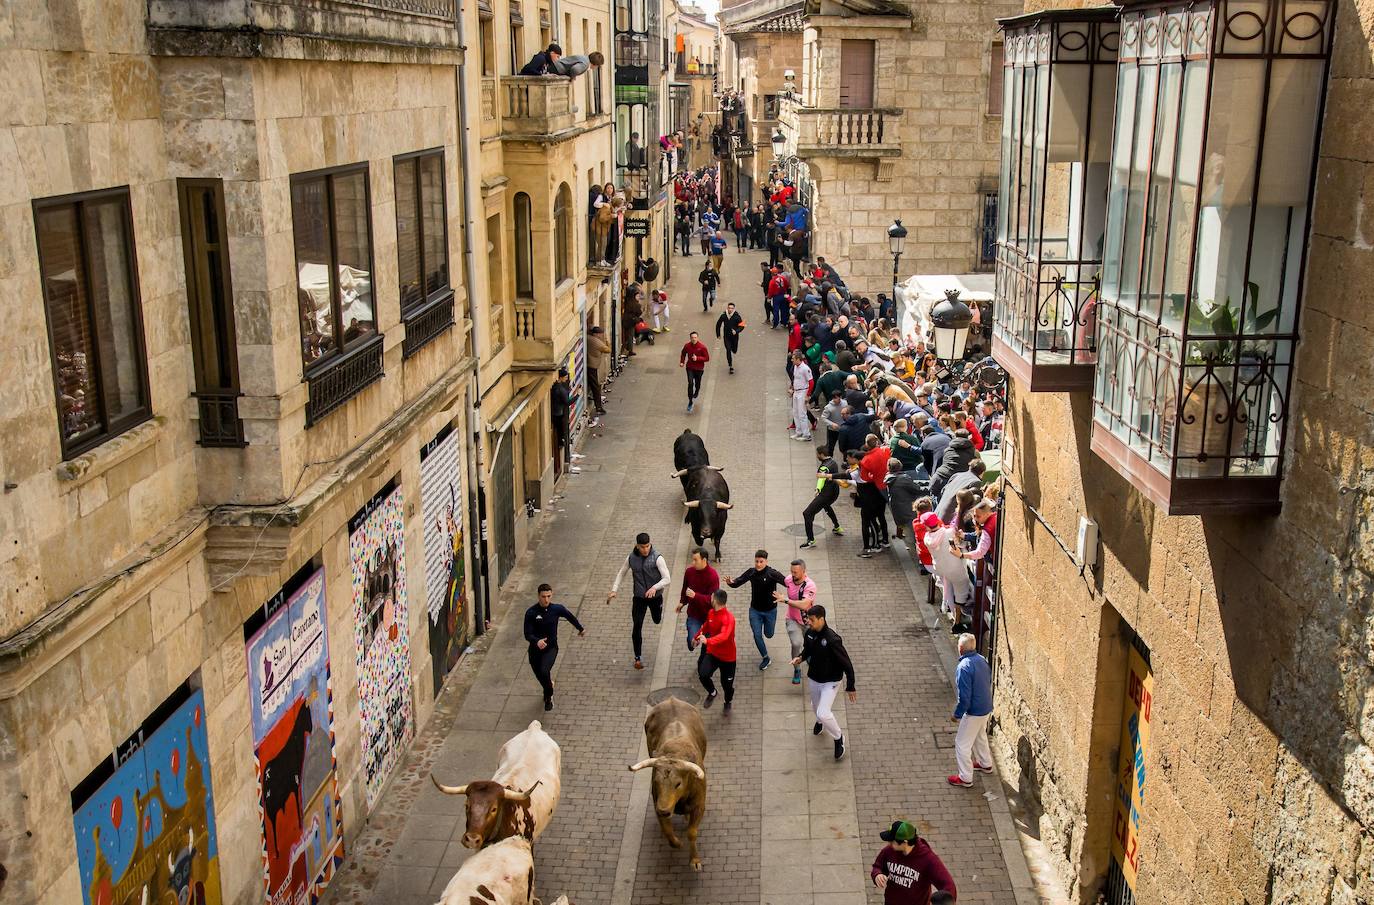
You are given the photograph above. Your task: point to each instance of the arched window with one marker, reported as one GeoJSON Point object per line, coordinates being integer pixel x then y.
{"type": "Point", "coordinates": [524, 247]}
{"type": "Point", "coordinates": [562, 234]}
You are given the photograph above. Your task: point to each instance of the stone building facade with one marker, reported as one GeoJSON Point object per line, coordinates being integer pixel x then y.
{"type": "Point", "coordinates": [1236, 629]}
{"type": "Point", "coordinates": [274, 339]}
{"type": "Point", "coordinates": [896, 118]}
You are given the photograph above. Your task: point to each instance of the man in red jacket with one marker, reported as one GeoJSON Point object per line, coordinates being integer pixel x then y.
{"type": "Point", "coordinates": [718, 651]}
{"type": "Point", "coordinates": [693, 358]}
{"type": "Point", "coordinates": [906, 870]}
{"type": "Point", "coordinates": [699, 582]}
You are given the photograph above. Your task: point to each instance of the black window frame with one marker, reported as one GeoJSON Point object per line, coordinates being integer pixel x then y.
{"type": "Point", "coordinates": [415, 158]}
{"type": "Point", "coordinates": [522, 222]}
{"type": "Point", "coordinates": [110, 429]}
{"type": "Point", "coordinates": [212, 322]}
{"type": "Point", "coordinates": [341, 348]}
{"type": "Point", "coordinates": [564, 243]}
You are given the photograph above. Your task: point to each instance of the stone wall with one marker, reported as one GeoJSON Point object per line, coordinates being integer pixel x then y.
{"type": "Point", "coordinates": [1261, 759]}
{"type": "Point", "coordinates": [763, 58]}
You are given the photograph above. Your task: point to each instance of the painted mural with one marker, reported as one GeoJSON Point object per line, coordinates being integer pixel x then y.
{"type": "Point", "coordinates": [292, 705]}
{"type": "Point", "coordinates": [145, 818]}
{"type": "Point", "coordinates": [441, 496]}
{"type": "Point", "coordinates": [376, 547]}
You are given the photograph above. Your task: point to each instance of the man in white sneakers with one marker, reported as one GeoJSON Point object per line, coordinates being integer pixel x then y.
{"type": "Point", "coordinates": [973, 678]}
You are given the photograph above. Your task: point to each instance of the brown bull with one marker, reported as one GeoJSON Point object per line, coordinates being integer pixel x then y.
{"type": "Point", "coordinates": [520, 798]}
{"type": "Point", "coordinates": [677, 745]}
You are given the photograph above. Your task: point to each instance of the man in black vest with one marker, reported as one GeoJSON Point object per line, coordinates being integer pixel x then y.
{"type": "Point", "coordinates": [649, 571]}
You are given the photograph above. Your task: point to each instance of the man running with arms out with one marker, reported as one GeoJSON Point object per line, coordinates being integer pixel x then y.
{"type": "Point", "coordinates": [828, 473]}
{"type": "Point", "coordinates": [799, 593]}
{"type": "Point", "coordinates": [717, 638]}
{"type": "Point", "coordinates": [541, 631]}
{"type": "Point", "coordinates": [827, 662]}
{"type": "Point", "coordinates": [693, 358]}
{"type": "Point", "coordinates": [649, 576]}
{"type": "Point", "coordinates": [763, 582]}
{"type": "Point", "coordinates": [907, 869]}
{"type": "Point", "coordinates": [729, 326]}
{"type": "Point", "coordinates": [699, 582]}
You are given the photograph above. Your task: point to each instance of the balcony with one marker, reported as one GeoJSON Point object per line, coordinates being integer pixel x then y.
{"type": "Point", "coordinates": [1043, 333]}
{"type": "Point", "coordinates": [343, 378]}
{"type": "Point", "coordinates": [539, 107]}
{"type": "Point", "coordinates": [491, 119]}
{"type": "Point", "coordinates": [359, 30]}
{"type": "Point", "coordinates": [841, 131]}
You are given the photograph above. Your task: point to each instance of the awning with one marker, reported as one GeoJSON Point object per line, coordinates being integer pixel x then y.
{"type": "Point", "coordinates": [522, 405]}
{"type": "Point", "coordinates": [923, 292]}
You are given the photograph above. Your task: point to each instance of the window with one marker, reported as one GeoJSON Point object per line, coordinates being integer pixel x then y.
{"type": "Point", "coordinates": [524, 247]}
{"type": "Point", "coordinates": [770, 106]}
{"type": "Point", "coordinates": [995, 79]}
{"type": "Point", "coordinates": [421, 229]}
{"type": "Point", "coordinates": [562, 235]}
{"type": "Point", "coordinates": [210, 297]}
{"type": "Point", "coordinates": [95, 323]}
{"type": "Point", "coordinates": [331, 220]}
{"type": "Point", "coordinates": [517, 50]}
{"type": "Point", "coordinates": [487, 44]}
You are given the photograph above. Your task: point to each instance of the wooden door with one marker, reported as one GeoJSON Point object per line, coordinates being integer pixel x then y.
{"type": "Point", "coordinates": [856, 74]}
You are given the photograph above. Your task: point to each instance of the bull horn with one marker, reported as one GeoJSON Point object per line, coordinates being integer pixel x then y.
{"type": "Point", "coordinates": [720, 505]}
{"type": "Point", "coordinates": [691, 504]}
{"type": "Point", "coordinates": [512, 795]}
{"type": "Point", "coordinates": [679, 473]}
{"type": "Point", "coordinates": [716, 467]}
{"type": "Point", "coordinates": [634, 768]}
{"type": "Point", "coordinates": [695, 768]}
{"type": "Point", "coordinates": [449, 790]}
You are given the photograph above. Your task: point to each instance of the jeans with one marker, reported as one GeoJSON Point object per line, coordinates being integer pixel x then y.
{"type": "Point", "coordinates": [693, 384]}
{"type": "Point", "coordinates": [796, 634]}
{"type": "Point", "coordinates": [562, 444]}
{"type": "Point", "coordinates": [541, 661]}
{"type": "Point", "coordinates": [821, 502]}
{"type": "Point", "coordinates": [651, 605]}
{"type": "Point", "coordinates": [777, 314]}
{"type": "Point", "coordinates": [594, 383]}
{"type": "Point", "coordinates": [708, 298]}
{"type": "Point", "coordinates": [970, 739]}
{"type": "Point", "coordinates": [693, 627]}
{"type": "Point", "coordinates": [822, 699]}
{"type": "Point", "coordinates": [686, 244]}
{"type": "Point", "coordinates": [739, 238]}
{"type": "Point", "coordinates": [873, 516]}
{"type": "Point", "coordinates": [762, 623]}
{"type": "Point", "coordinates": [707, 665]}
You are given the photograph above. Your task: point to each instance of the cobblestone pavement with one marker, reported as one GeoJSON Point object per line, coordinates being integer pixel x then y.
{"type": "Point", "coordinates": [785, 823]}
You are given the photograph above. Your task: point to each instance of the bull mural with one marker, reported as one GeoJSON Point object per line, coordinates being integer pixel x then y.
{"type": "Point", "coordinates": [676, 738]}
{"type": "Point", "coordinates": [520, 798]}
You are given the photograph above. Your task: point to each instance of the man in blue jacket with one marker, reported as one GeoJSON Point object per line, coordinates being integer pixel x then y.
{"type": "Point", "coordinates": [973, 678]}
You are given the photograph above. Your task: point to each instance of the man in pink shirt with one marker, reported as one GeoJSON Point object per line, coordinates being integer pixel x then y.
{"type": "Point", "coordinates": [799, 593]}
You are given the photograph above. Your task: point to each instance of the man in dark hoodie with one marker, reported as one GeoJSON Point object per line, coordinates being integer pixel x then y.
{"type": "Point", "coordinates": [907, 869]}
{"type": "Point", "coordinates": [729, 326]}
{"type": "Point", "coordinates": [957, 457]}
{"type": "Point", "coordinates": [933, 446]}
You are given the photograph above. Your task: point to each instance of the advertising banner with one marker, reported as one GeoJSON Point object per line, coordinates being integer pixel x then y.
{"type": "Point", "coordinates": [292, 716]}
{"type": "Point", "coordinates": [376, 548]}
{"type": "Point", "coordinates": [1130, 773]}
{"type": "Point", "coordinates": [145, 818]}
{"type": "Point", "coordinates": [441, 499]}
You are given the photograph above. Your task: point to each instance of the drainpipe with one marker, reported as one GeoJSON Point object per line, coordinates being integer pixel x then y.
{"type": "Point", "coordinates": [476, 466]}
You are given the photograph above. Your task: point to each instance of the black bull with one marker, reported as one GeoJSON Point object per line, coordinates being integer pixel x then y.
{"type": "Point", "coordinates": [708, 505]}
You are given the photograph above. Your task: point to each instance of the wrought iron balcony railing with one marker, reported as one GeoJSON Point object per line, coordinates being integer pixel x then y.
{"type": "Point", "coordinates": [1044, 331]}
{"type": "Point", "coordinates": [343, 378]}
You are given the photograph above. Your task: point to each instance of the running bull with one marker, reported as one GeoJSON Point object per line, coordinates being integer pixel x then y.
{"type": "Point", "coordinates": [708, 505]}
{"type": "Point", "coordinates": [520, 798]}
{"type": "Point", "coordinates": [689, 452]}
{"type": "Point", "coordinates": [500, 874]}
{"type": "Point", "coordinates": [677, 743]}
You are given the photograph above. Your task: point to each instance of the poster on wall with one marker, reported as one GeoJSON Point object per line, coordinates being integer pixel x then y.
{"type": "Point", "coordinates": [1130, 772]}
{"type": "Point", "coordinates": [441, 498]}
{"type": "Point", "coordinates": [292, 716]}
{"type": "Point", "coordinates": [145, 818]}
{"type": "Point", "coordinates": [376, 550]}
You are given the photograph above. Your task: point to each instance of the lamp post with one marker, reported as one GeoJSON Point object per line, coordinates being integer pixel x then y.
{"type": "Point", "coordinates": [951, 320]}
{"type": "Point", "coordinates": [779, 142]}
{"type": "Point", "coordinates": [896, 238]}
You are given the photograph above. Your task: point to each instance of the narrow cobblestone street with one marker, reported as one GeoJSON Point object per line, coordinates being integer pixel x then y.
{"type": "Point", "coordinates": [785, 823]}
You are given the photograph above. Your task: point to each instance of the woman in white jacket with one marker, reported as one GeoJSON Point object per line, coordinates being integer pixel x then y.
{"type": "Point", "coordinates": [952, 570]}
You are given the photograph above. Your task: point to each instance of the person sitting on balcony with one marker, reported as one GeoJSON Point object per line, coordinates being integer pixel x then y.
{"type": "Point", "coordinates": [541, 63]}
{"type": "Point", "coordinates": [635, 153]}
{"type": "Point", "coordinates": [574, 66]}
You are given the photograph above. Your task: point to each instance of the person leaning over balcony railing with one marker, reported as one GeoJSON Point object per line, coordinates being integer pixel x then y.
{"type": "Point", "coordinates": [541, 63]}
{"type": "Point", "coordinates": [574, 66]}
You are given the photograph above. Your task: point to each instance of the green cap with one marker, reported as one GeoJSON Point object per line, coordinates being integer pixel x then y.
{"type": "Point", "coordinates": [901, 831]}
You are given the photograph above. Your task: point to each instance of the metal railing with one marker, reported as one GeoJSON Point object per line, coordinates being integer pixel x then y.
{"type": "Point", "coordinates": [342, 379]}
{"type": "Point", "coordinates": [426, 323]}
{"type": "Point", "coordinates": [220, 424]}
{"type": "Point", "coordinates": [1045, 309]}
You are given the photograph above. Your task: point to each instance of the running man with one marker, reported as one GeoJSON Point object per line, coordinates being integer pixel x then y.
{"type": "Point", "coordinates": [717, 639]}
{"type": "Point", "coordinates": [709, 280]}
{"type": "Point", "coordinates": [763, 582]}
{"type": "Point", "coordinates": [693, 358]}
{"type": "Point", "coordinates": [729, 326]}
{"type": "Point", "coordinates": [828, 473]}
{"type": "Point", "coordinates": [799, 593]}
{"type": "Point", "coordinates": [699, 582]}
{"type": "Point", "coordinates": [907, 869]}
{"type": "Point", "coordinates": [827, 662]}
{"type": "Point", "coordinates": [541, 631]}
{"type": "Point", "coordinates": [649, 577]}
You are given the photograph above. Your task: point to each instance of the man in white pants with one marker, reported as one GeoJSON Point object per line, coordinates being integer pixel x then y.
{"type": "Point", "coordinates": [800, 389]}
{"type": "Point", "coordinates": [973, 678]}
{"type": "Point", "coordinates": [827, 662]}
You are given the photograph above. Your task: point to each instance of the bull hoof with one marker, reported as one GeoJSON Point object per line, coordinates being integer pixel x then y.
{"type": "Point", "coordinates": [675, 842]}
{"type": "Point", "coordinates": [696, 864]}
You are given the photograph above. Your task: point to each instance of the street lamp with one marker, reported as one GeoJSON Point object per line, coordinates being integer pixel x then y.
{"type": "Point", "coordinates": [896, 237]}
{"type": "Point", "coordinates": [951, 320]}
{"type": "Point", "coordinates": [779, 142]}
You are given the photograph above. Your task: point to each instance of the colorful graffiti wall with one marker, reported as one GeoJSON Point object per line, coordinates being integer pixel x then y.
{"type": "Point", "coordinates": [376, 547]}
{"type": "Point", "coordinates": [292, 705]}
{"type": "Point", "coordinates": [441, 497]}
{"type": "Point", "coordinates": [145, 818]}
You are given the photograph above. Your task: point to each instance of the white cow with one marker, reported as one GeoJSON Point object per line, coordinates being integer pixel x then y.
{"type": "Point", "coordinates": [520, 798]}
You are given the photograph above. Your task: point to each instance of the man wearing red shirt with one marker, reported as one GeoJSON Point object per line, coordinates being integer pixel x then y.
{"type": "Point", "coordinates": [699, 582]}
{"type": "Point", "coordinates": [907, 869]}
{"type": "Point", "coordinates": [718, 651]}
{"type": "Point", "coordinates": [778, 287]}
{"type": "Point", "coordinates": [872, 502]}
{"type": "Point", "coordinates": [694, 357]}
